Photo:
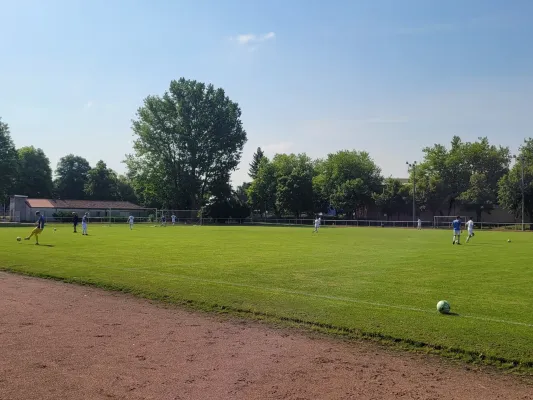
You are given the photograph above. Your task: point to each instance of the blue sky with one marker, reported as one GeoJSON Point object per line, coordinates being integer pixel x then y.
{"type": "Point", "coordinates": [386, 76]}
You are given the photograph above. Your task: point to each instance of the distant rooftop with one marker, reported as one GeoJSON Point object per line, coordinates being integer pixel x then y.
{"type": "Point", "coordinates": [82, 204]}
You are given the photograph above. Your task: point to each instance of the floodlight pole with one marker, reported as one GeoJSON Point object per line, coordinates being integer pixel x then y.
{"type": "Point", "coordinates": [413, 167]}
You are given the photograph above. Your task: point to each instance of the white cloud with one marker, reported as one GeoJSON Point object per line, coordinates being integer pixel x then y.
{"type": "Point", "coordinates": [89, 104]}
{"type": "Point", "coordinates": [280, 147]}
{"type": "Point", "coordinates": [245, 39]}
{"type": "Point", "coordinates": [251, 38]}
{"type": "Point", "coordinates": [269, 35]}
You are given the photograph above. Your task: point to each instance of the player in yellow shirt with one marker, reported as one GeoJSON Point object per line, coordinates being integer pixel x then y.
{"type": "Point", "coordinates": [38, 229]}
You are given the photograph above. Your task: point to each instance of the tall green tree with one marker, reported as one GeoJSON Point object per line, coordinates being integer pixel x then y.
{"type": "Point", "coordinates": [254, 165]}
{"type": "Point", "coordinates": [350, 178]}
{"type": "Point", "coordinates": [510, 185]}
{"type": "Point", "coordinates": [449, 167]}
{"type": "Point", "coordinates": [294, 179]}
{"type": "Point", "coordinates": [242, 192]}
{"type": "Point", "coordinates": [263, 190]}
{"type": "Point", "coordinates": [34, 173]}
{"type": "Point", "coordinates": [487, 164]}
{"type": "Point", "coordinates": [8, 163]}
{"type": "Point", "coordinates": [321, 198]}
{"type": "Point", "coordinates": [151, 185]}
{"type": "Point", "coordinates": [125, 190]}
{"type": "Point", "coordinates": [393, 199]}
{"type": "Point", "coordinates": [188, 139]}
{"type": "Point", "coordinates": [466, 173]}
{"type": "Point", "coordinates": [101, 183]}
{"type": "Point", "coordinates": [72, 175]}
{"type": "Point", "coordinates": [431, 192]}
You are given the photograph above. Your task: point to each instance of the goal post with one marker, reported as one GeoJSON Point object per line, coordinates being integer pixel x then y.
{"type": "Point", "coordinates": [182, 217]}
{"type": "Point", "coordinates": [445, 221]}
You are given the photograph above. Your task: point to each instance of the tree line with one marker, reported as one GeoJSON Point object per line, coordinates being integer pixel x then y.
{"type": "Point", "coordinates": [476, 176]}
{"type": "Point", "coordinates": [189, 140]}
{"type": "Point", "coordinates": [27, 171]}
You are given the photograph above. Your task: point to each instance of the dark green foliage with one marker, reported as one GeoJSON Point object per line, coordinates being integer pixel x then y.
{"type": "Point", "coordinates": [187, 141]}
{"type": "Point", "coordinates": [350, 179]}
{"type": "Point", "coordinates": [72, 176]}
{"type": "Point", "coordinates": [8, 163]}
{"type": "Point", "coordinates": [394, 199]}
{"type": "Point", "coordinates": [510, 185]}
{"type": "Point", "coordinates": [34, 178]}
{"type": "Point", "coordinates": [254, 165]}
{"type": "Point", "coordinates": [101, 183]}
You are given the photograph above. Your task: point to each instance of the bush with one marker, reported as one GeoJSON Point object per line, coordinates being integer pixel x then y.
{"type": "Point", "coordinates": [62, 214]}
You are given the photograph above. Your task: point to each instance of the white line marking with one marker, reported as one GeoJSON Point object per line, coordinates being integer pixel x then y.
{"type": "Point", "coordinates": [320, 296]}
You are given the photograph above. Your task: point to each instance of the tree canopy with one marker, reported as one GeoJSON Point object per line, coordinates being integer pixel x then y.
{"type": "Point", "coordinates": [72, 176]}
{"type": "Point", "coordinates": [186, 142]}
{"type": "Point", "coordinates": [350, 179]}
{"type": "Point", "coordinates": [466, 174]}
{"type": "Point", "coordinates": [189, 141]}
{"type": "Point", "coordinates": [254, 165]}
{"type": "Point", "coordinates": [34, 178]}
{"type": "Point", "coordinates": [8, 162]}
{"type": "Point", "coordinates": [101, 183]}
{"type": "Point", "coordinates": [510, 185]}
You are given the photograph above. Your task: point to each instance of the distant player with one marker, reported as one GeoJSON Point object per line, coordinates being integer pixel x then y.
{"type": "Point", "coordinates": [163, 220]}
{"type": "Point", "coordinates": [84, 222]}
{"type": "Point", "coordinates": [75, 221]}
{"type": "Point", "coordinates": [419, 224]}
{"type": "Point", "coordinates": [173, 219]}
{"type": "Point", "coordinates": [38, 229]}
{"type": "Point", "coordinates": [130, 220]}
{"type": "Point", "coordinates": [456, 225]}
{"type": "Point", "coordinates": [470, 229]}
{"type": "Point", "coordinates": [317, 225]}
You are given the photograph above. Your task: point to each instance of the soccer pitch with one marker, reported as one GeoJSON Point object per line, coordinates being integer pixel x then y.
{"type": "Point", "coordinates": [370, 282]}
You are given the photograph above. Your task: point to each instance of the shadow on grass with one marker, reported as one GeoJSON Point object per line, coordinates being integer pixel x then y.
{"type": "Point", "coordinates": [453, 314]}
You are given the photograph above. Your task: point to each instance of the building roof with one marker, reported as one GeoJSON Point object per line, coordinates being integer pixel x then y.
{"type": "Point", "coordinates": [82, 204]}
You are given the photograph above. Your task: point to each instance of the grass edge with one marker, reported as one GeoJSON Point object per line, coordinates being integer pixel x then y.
{"type": "Point", "coordinates": [515, 367]}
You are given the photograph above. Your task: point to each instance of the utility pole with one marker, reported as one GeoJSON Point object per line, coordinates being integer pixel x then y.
{"type": "Point", "coordinates": [412, 166]}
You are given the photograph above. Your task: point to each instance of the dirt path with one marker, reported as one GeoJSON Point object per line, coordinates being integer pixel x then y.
{"type": "Point", "coordinates": [60, 341]}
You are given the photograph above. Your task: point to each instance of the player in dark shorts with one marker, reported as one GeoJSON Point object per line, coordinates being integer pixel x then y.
{"type": "Point", "coordinates": [75, 220]}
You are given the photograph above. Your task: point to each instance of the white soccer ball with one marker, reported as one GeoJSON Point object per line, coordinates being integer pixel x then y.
{"type": "Point", "coordinates": [54, 229]}
{"type": "Point", "coordinates": [443, 307]}
{"type": "Point", "coordinates": [508, 240]}
{"type": "Point", "coordinates": [19, 239]}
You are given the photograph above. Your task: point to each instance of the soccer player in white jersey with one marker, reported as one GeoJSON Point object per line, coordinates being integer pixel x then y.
{"type": "Point", "coordinates": [470, 228]}
{"type": "Point", "coordinates": [317, 224]}
{"type": "Point", "coordinates": [173, 219]}
{"type": "Point", "coordinates": [84, 222]}
{"type": "Point", "coordinates": [130, 220]}
{"type": "Point", "coordinates": [419, 224]}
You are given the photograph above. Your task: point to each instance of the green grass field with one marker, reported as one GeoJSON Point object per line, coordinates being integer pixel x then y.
{"type": "Point", "coordinates": [370, 282]}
